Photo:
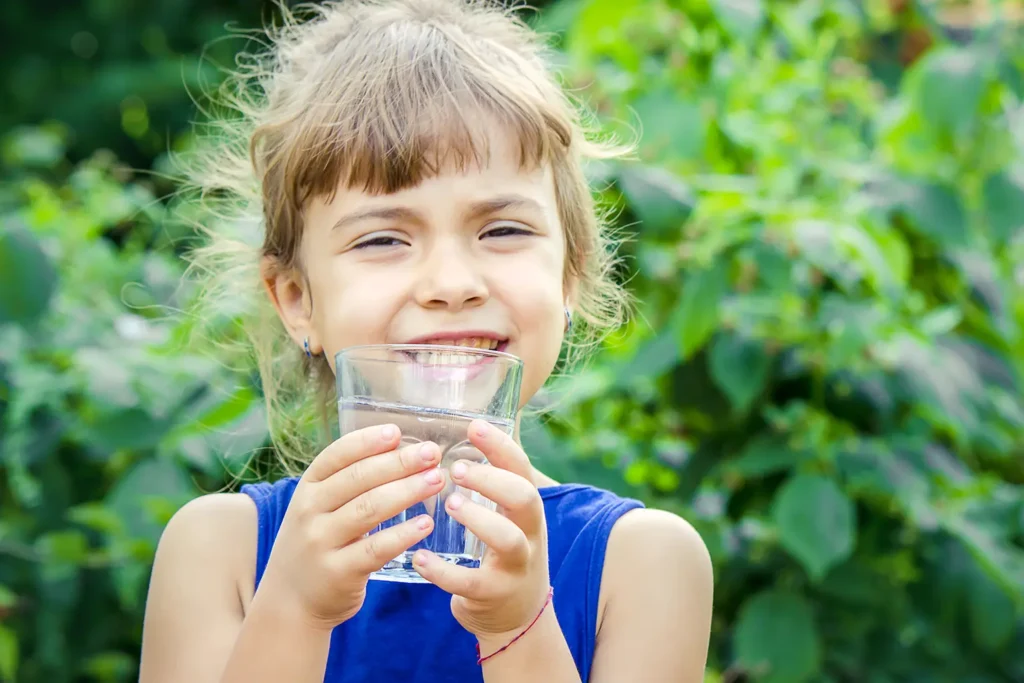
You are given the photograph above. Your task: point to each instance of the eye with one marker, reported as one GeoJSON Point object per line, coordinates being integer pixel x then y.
{"type": "Point", "coordinates": [507, 230]}
{"type": "Point", "coordinates": [382, 241]}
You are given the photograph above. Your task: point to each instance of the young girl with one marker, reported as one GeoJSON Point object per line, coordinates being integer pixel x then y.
{"type": "Point", "coordinates": [419, 177]}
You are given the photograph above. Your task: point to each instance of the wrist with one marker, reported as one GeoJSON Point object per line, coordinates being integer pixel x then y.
{"type": "Point", "coordinates": [287, 612]}
{"type": "Point", "coordinates": [543, 623]}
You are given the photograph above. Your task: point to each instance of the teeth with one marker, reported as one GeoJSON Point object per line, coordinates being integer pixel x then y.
{"type": "Point", "coordinates": [471, 343]}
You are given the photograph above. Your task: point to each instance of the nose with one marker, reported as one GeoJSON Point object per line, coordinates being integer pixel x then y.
{"type": "Point", "coordinates": [451, 278]}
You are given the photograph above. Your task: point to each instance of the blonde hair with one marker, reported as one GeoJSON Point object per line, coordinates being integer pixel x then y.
{"type": "Point", "coordinates": [378, 95]}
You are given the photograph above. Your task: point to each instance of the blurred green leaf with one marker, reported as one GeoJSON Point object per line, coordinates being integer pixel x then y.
{"type": "Point", "coordinates": [951, 83]}
{"type": "Point", "coordinates": [992, 614]}
{"type": "Point", "coordinates": [7, 597]}
{"type": "Point", "coordinates": [33, 147]}
{"type": "Point", "coordinates": [742, 19]}
{"type": "Point", "coordinates": [816, 521]}
{"type": "Point", "coordinates": [65, 547]}
{"type": "Point", "coordinates": [653, 358]}
{"type": "Point", "coordinates": [739, 366]}
{"type": "Point", "coordinates": [27, 278]}
{"type": "Point", "coordinates": [8, 653]}
{"type": "Point", "coordinates": [763, 456]}
{"type": "Point", "coordinates": [776, 638]}
{"type": "Point", "coordinates": [935, 211]}
{"type": "Point", "coordinates": [109, 666]}
{"type": "Point", "coordinates": [96, 516]}
{"type": "Point", "coordinates": [703, 291]}
{"type": "Point", "coordinates": [150, 478]}
{"type": "Point", "coordinates": [598, 31]}
{"type": "Point", "coordinates": [1004, 205]}
{"type": "Point", "coordinates": [132, 428]}
{"type": "Point", "coordinates": [672, 128]}
{"type": "Point", "coordinates": [661, 201]}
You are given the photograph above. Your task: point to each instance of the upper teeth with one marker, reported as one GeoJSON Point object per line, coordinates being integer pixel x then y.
{"type": "Point", "coordinates": [453, 357]}
{"type": "Point", "coordinates": [470, 342]}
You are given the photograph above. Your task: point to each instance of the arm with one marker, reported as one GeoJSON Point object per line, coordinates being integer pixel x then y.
{"type": "Point", "coordinates": [657, 618]}
{"type": "Point", "coordinates": [540, 655]}
{"type": "Point", "coordinates": [499, 600]}
{"type": "Point", "coordinates": [195, 629]}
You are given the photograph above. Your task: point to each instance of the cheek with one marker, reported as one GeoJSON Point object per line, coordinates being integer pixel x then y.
{"type": "Point", "coordinates": [349, 308]}
{"type": "Point", "coordinates": [541, 325]}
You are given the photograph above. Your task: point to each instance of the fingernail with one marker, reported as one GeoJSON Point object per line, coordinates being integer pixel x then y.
{"type": "Point", "coordinates": [423, 522]}
{"type": "Point", "coordinates": [459, 470]}
{"type": "Point", "coordinates": [433, 477]}
{"type": "Point", "coordinates": [420, 558]}
{"type": "Point", "coordinates": [480, 428]}
{"type": "Point", "coordinates": [388, 432]}
{"type": "Point", "coordinates": [455, 501]}
{"type": "Point", "coordinates": [427, 452]}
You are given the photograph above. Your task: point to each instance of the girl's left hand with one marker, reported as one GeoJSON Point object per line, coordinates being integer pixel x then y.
{"type": "Point", "coordinates": [504, 595]}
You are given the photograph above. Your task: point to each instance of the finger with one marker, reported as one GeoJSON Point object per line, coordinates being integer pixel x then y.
{"type": "Point", "coordinates": [518, 498]}
{"type": "Point", "coordinates": [350, 448]}
{"type": "Point", "coordinates": [373, 552]}
{"type": "Point", "coordinates": [464, 581]}
{"type": "Point", "coordinates": [367, 510]}
{"type": "Point", "coordinates": [377, 470]}
{"type": "Point", "coordinates": [500, 449]}
{"type": "Point", "coordinates": [501, 534]}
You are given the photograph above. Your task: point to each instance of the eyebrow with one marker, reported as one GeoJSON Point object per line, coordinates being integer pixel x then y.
{"type": "Point", "coordinates": [476, 210]}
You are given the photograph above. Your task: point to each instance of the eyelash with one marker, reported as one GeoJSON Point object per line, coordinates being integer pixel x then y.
{"type": "Point", "coordinates": [385, 241]}
{"type": "Point", "coordinates": [509, 230]}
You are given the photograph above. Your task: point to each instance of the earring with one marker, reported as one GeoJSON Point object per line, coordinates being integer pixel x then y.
{"type": "Point", "coordinates": [305, 345]}
{"type": "Point", "coordinates": [568, 320]}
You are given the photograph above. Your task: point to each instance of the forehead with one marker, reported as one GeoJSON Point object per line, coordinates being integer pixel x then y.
{"type": "Point", "coordinates": [490, 168]}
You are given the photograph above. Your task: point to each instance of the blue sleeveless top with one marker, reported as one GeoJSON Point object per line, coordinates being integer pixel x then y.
{"type": "Point", "coordinates": [406, 632]}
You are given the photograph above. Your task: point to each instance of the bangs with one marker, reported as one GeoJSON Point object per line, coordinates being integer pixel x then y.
{"type": "Point", "coordinates": [426, 104]}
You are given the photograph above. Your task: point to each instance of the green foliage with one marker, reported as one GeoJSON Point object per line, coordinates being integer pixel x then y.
{"type": "Point", "coordinates": [827, 372]}
{"type": "Point", "coordinates": [118, 73]}
{"type": "Point", "coordinates": [110, 418]}
{"type": "Point", "coordinates": [826, 375]}
{"type": "Point", "coordinates": [776, 637]}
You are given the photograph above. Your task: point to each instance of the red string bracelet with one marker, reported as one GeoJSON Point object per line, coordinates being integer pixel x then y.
{"type": "Point", "coordinates": [481, 660]}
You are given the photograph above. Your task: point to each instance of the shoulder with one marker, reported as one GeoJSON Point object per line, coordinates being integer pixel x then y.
{"type": "Point", "coordinates": [215, 530]}
{"type": "Point", "coordinates": [654, 552]}
{"type": "Point", "coordinates": [646, 532]}
{"type": "Point", "coordinates": [210, 518]}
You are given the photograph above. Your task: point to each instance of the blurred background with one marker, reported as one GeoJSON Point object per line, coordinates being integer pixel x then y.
{"type": "Point", "coordinates": [825, 375]}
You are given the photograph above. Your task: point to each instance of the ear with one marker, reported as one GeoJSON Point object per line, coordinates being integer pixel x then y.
{"type": "Point", "coordinates": [289, 292]}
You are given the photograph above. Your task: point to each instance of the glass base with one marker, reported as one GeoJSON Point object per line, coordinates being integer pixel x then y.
{"type": "Point", "coordinates": [400, 569]}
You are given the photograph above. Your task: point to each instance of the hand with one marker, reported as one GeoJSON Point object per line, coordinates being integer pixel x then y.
{"type": "Point", "coordinates": [321, 560]}
{"type": "Point", "coordinates": [504, 594]}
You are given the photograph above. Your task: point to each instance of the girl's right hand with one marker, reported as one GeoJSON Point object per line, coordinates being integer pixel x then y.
{"type": "Point", "coordinates": [321, 561]}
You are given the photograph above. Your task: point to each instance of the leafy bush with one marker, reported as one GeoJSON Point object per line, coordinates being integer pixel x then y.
{"type": "Point", "coordinates": [826, 375]}
{"type": "Point", "coordinates": [111, 419]}
{"type": "Point", "coordinates": [834, 395]}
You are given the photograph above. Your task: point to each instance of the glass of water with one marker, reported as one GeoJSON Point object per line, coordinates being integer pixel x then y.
{"type": "Point", "coordinates": [432, 393]}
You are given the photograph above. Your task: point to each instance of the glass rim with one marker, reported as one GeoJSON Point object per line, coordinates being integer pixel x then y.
{"type": "Point", "coordinates": [468, 350]}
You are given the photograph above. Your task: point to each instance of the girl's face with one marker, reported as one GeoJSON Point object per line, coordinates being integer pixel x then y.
{"type": "Point", "coordinates": [472, 258]}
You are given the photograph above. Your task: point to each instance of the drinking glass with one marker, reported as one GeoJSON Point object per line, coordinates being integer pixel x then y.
{"type": "Point", "coordinates": [432, 393]}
